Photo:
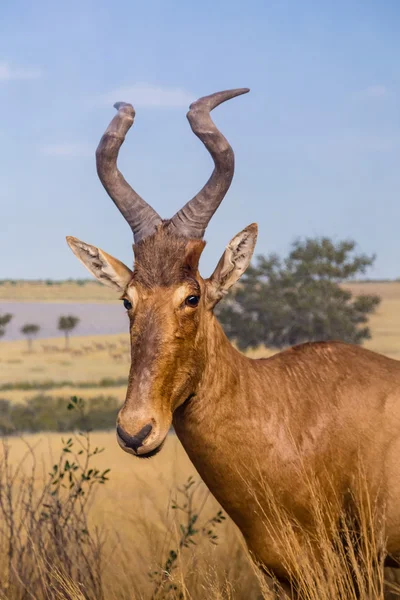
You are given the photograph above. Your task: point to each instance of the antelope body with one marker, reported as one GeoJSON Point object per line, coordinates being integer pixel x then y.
{"type": "Point", "coordinates": [250, 427]}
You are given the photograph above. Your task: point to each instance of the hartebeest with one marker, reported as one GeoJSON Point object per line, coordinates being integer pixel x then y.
{"type": "Point", "coordinates": [247, 425]}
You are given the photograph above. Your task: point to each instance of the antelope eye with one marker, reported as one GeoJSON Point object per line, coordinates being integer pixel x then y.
{"type": "Point", "coordinates": [192, 301]}
{"type": "Point", "coordinates": [127, 304]}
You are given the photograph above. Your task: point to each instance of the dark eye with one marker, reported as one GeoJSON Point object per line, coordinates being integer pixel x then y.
{"type": "Point", "coordinates": [127, 304]}
{"type": "Point", "coordinates": [192, 301]}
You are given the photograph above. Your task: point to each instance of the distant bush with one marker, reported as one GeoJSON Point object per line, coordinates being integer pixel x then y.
{"type": "Point", "coordinates": [4, 320]}
{"type": "Point", "coordinates": [50, 384]}
{"type": "Point", "coordinates": [6, 425]}
{"type": "Point", "coordinates": [49, 413]}
{"type": "Point", "coordinates": [30, 330]}
{"type": "Point", "coordinates": [110, 382]}
{"type": "Point", "coordinates": [67, 323]}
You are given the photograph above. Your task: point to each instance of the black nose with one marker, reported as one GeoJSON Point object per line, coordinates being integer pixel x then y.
{"type": "Point", "coordinates": [134, 441]}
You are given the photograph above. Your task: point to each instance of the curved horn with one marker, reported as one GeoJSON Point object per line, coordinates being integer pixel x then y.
{"type": "Point", "coordinates": [140, 216]}
{"type": "Point", "coordinates": [192, 220]}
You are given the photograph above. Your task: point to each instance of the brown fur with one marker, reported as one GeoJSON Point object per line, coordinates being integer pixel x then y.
{"type": "Point", "coordinates": [255, 428]}
{"type": "Point", "coordinates": [164, 259]}
{"type": "Point", "coordinates": [259, 428]}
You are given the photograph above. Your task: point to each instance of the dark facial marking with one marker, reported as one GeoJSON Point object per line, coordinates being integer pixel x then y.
{"type": "Point", "coordinates": [134, 441]}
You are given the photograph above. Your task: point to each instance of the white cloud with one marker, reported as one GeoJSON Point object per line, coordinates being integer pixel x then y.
{"type": "Point", "coordinates": [67, 150]}
{"type": "Point", "coordinates": [146, 95]}
{"type": "Point", "coordinates": [376, 91]}
{"type": "Point", "coordinates": [8, 73]}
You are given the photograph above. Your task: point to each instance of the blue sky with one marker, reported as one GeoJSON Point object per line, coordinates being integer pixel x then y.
{"type": "Point", "coordinates": [317, 140]}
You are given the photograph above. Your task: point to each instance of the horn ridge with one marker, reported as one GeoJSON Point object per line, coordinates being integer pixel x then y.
{"type": "Point", "coordinates": [142, 218]}
{"type": "Point", "coordinates": [191, 220]}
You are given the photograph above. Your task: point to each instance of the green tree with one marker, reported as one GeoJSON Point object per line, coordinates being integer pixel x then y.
{"type": "Point", "coordinates": [299, 299]}
{"type": "Point", "coordinates": [30, 330]}
{"type": "Point", "coordinates": [67, 324]}
{"type": "Point", "coordinates": [4, 320]}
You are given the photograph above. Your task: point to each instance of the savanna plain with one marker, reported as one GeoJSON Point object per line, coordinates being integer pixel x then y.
{"type": "Point", "coordinates": [152, 529]}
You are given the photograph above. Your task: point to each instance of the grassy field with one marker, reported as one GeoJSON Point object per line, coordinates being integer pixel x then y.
{"type": "Point", "coordinates": [135, 522]}
{"type": "Point", "coordinates": [134, 508]}
{"type": "Point", "coordinates": [53, 291]}
{"type": "Point", "coordinates": [92, 358]}
{"type": "Point", "coordinates": [133, 513]}
{"type": "Point", "coordinates": [89, 359]}
{"type": "Point", "coordinates": [385, 323]}
{"type": "Point", "coordinates": [92, 291]}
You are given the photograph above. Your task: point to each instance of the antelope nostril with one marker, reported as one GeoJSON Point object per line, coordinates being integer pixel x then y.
{"type": "Point", "coordinates": [134, 441]}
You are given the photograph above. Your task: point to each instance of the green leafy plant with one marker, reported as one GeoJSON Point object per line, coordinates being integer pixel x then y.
{"type": "Point", "coordinates": [48, 539]}
{"type": "Point", "coordinates": [188, 511]}
{"type": "Point", "coordinates": [282, 302]}
{"type": "Point", "coordinates": [43, 412]}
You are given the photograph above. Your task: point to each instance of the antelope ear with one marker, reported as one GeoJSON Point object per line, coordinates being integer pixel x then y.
{"type": "Point", "coordinates": [232, 264]}
{"type": "Point", "coordinates": [105, 268]}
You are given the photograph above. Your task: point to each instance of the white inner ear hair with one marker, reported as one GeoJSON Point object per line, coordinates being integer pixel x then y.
{"type": "Point", "coordinates": [95, 261]}
{"type": "Point", "coordinates": [242, 249]}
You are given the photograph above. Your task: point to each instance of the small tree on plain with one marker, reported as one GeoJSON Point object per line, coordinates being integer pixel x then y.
{"type": "Point", "coordinates": [30, 330]}
{"type": "Point", "coordinates": [282, 302]}
{"type": "Point", "coordinates": [67, 324]}
{"type": "Point", "coordinates": [4, 320]}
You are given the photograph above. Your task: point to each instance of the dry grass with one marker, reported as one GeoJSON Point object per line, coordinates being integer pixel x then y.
{"type": "Point", "coordinates": [82, 363]}
{"type": "Point", "coordinates": [18, 396]}
{"type": "Point", "coordinates": [133, 516]}
{"type": "Point", "coordinates": [340, 555]}
{"type": "Point", "coordinates": [133, 512]}
{"type": "Point", "coordinates": [134, 508]}
{"type": "Point", "coordinates": [385, 323]}
{"type": "Point", "coordinates": [39, 291]}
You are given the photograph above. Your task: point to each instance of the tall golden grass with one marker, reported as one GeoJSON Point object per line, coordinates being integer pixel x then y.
{"type": "Point", "coordinates": [341, 552]}
{"type": "Point", "coordinates": [133, 528]}
{"type": "Point", "coordinates": [137, 527]}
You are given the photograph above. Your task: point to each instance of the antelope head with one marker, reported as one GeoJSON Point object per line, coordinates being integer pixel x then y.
{"type": "Point", "coordinates": [170, 306]}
